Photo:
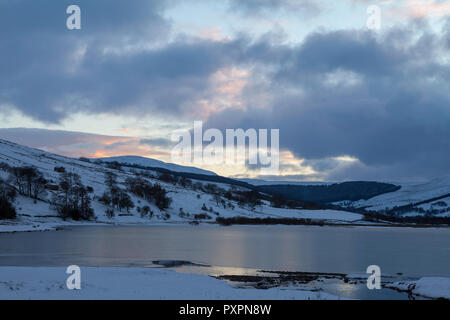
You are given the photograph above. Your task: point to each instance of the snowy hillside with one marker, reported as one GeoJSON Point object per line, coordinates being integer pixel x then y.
{"type": "Point", "coordinates": [153, 163]}
{"type": "Point", "coordinates": [427, 196]}
{"type": "Point", "coordinates": [189, 203]}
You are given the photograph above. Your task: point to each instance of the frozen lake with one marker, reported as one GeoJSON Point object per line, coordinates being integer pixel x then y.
{"type": "Point", "coordinates": [412, 252]}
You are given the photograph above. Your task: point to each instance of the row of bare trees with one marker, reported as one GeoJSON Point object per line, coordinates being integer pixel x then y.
{"type": "Point", "coordinates": [114, 196]}
{"type": "Point", "coordinates": [154, 193]}
{"type": "Point", "coordinates": [29, 181]}
{"type": "Point", "coordinates": [72, 199]}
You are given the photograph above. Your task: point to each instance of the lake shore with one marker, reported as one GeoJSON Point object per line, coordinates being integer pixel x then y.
{"type": "Point", "coordinates": [53, 224]}
{"type": "Point", "coordinates": [308, 258]}
{"type": "Point", "coordinates": [112, 283]}
{"type": "Point", "coordinates": [49, 283]}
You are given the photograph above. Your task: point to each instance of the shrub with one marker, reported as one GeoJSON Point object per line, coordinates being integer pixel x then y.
{"type": "Point", "coordinates": [110, 213]}
{"type": "Point", "coordinates": [151, 192]}
{"type": "Point", "coordinates": [146, 211]}
{"type": "Point", "coordinates": [267, 221]}
{"type": "Point", "coordinates": [166, 177]}
{"type": "Point", "coordinates": [184, 214]}
{"type": "Point", "coordinates": [105, 199]}
{"type": "Point", "coordinates": [202, 216]}
{"type": "Point", "coordinates": [165, 216]}
{"type": "Point", "coordinates": [125, 201]}
{"type": "Point", "coordinates": [7, 211]}
{"type": "Point", "coordinates": [114, 165]}
{"type": "Point", "coordinates": [7, 196]}
{"type": "Point", "coordinates": [4, 166]}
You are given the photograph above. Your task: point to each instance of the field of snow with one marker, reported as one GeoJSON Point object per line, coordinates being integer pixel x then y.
{"type": "Point", "coordinates": [26, 283]}
{"type": "Point", "coordinates": [39, 215]}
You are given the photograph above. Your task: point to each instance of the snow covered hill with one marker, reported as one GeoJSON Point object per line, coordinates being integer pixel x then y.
{"type": "Point", "coordinates": [153, 163]}
{"type": "Point", "coordinates": [433, 195]}
{"type": "Point", "coordinates": [187, 201]}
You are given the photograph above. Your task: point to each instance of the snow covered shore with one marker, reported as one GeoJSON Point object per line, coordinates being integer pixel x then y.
{"type": "Point", "coordinates": [47, 283]}
{"type": "Point", "coordinates": [31, 224]}
{"type": "Point", "coordinates": [430, 287]}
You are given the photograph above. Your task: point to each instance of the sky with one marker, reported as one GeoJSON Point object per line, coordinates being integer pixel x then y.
{"type": "Point", "coordinates": [351, 102]}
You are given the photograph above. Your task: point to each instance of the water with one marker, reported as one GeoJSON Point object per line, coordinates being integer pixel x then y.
{"type": "Point", "coordinates": [412, 252]}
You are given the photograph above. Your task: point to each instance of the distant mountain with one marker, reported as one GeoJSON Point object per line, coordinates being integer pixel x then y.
{"type": "Point", "coordinates": [413, 198]}
{"type": "Point", "coordinates": [260, 182]}
{"type": "Point", "coordinates": [327, 193]}
{"type": "Point", "coordinates": [153, 163]}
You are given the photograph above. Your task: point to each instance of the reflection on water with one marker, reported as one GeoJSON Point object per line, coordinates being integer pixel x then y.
{"type": "Point", "coordinates": [413, 252]}
{"type": "Point", "coordinates": [337, 287]}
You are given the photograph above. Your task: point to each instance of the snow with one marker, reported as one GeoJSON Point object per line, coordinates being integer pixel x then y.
{"type": "Point", "coordinates": [408, 194]}
{"type": "Point", "coordinates": [45, 283]}
{"type": "Point", "coordinates": [9, 227]}
{"type": "Point", "coordinates": [39, 215]}
{"type": "Point", "coordinates": [149, 162]}
{"type": "Point", "coordinates": [430, 287]}
{"type": "Point", "coordinates": [328, 215]}
{"type": "Point", "coordinates": [433, 287]}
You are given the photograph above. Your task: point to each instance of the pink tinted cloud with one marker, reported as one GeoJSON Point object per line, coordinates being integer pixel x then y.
{"type": "Point", "coordinates": [77, 144]}
{"type": "Point", "coordinates": [417, 8]}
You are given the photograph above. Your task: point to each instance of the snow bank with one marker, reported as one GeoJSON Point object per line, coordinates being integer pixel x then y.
{"type": "Point", "coordinates": [431, 287]}
{"type": "Point", "coordinates": [132, 283]}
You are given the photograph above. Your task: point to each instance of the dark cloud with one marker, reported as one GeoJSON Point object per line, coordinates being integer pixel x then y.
{"type": "Point", "coordinates": [47, 71]}
{"type": "Point", "coordinates": [120, 61]}
{"type": "Point", "coordinates": [381, 99]}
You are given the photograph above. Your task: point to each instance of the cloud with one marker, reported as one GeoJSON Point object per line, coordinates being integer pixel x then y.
{"type": "Point", "coordinates": [79, 144]}
{"type": "Point", "coordinates": [379, 98]}
{"type": "Point", "coordinates": [387, 105]}
{"type": "Point", "coordinates": [161, 142]}
{"type": "Point", "coordinates": [120, 61]}
{"type": "Point", "coordinates": [421, 8]}
{"type": "Point", "coordinates": [262, 7]}
{"type": "Point", "coordinates": [49, 72]}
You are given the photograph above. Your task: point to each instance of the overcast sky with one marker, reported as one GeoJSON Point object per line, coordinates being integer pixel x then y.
{"type": "Point", "coordinates": [351, 103]}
